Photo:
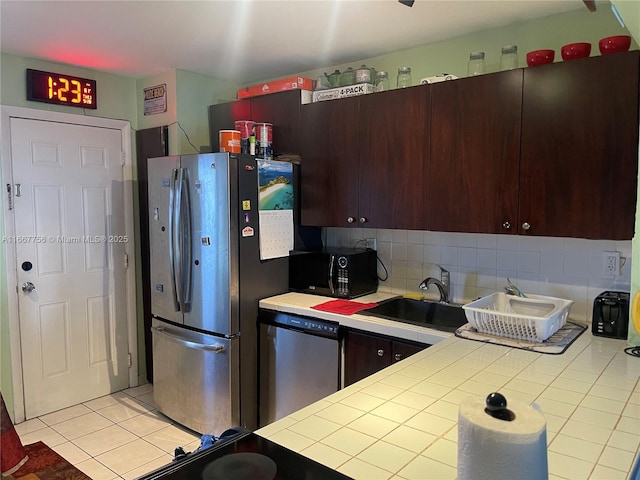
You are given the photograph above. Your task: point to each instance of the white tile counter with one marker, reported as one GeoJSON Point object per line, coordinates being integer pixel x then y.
{"type": "Point", "coordinates": [401, 423]}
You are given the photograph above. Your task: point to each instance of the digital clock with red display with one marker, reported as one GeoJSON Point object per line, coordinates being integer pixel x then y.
{"type": "Point", "coordinates": [61, 89]}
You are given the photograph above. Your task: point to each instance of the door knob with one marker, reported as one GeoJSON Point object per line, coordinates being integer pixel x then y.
{"type": "Point", "coordinates": [526, 226]}
{"type": "Point", "coordinates": [28, 287]}
{"type": "Point", "coordinates": [350, 219]}
{"type": "Point", "coordinates": [381, 353]}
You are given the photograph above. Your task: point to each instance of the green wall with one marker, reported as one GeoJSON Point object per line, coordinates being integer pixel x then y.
{"type": "Point", "coordinates": [451, 56]}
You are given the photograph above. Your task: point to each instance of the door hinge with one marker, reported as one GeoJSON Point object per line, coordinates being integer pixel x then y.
{"type": "Point", "coordinates": [129, 360]}
{"type": "Point", "coordinates": [126, 261]}
{"type": "Point", "coordinates": [122, 158]}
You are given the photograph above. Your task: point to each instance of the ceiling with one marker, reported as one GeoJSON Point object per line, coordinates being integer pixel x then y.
{"type": "Point", "coordinates": [243, 41]}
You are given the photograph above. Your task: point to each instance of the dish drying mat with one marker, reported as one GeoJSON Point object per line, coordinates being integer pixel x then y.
{"type": "Point", "coordinates": [556, 344]}
{"type": "Point", "coordinates": [343, 307]}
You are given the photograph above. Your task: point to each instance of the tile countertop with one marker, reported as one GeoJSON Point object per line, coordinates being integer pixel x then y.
{"type": "Point", "coordinates": [401, 422]}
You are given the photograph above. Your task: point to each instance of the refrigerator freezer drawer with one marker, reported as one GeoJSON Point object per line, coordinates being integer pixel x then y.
{"type": "Point", "coordinates": [196, 378]}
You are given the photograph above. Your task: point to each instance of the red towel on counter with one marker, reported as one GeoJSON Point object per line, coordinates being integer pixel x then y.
{"type": "Point", "coordinates": [343, 307]}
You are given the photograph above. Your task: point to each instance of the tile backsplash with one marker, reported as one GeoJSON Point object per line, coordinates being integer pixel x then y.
{"type": "Point", "coordinates": [480, 264]}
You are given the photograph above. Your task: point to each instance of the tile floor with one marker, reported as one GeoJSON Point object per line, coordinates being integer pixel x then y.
{"type": "Point", "coordinates": [119, 436]}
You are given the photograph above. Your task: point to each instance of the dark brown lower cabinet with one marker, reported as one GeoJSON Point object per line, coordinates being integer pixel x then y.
{"type": "Point", "coordinates": [367, 353]}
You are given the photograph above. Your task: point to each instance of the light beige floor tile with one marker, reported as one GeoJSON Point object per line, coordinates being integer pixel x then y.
{"type": "Point", "coordinates": [104, 440]}
{"type": "Point", "coordinates": [143, 389]}
{"type": "Point", "coordinates": [29, 426]}
{"type": "Point", "coordinates": [145, 423]}
{"type": "Point", "coordinates": [47, 435]}
{"type": "Point", "coordinates": [71, 453]}
{"type": "Point", "coordinates": [130, 456]}
{"type": "Point", "coordinates": [106, 401]}
{"type": "Point", "coordinates": [80, 426]}
{"type": "Point", "coordinates": [124, 410]}
{"type": "Point", "coordinates": [148, 467]}
{"type": "Point", "coordinates": [170, 437]}
{"type": "Point", "coordinates": [65, 414]}
{"type": "Point", "coordinates": [96, 470]}
{"type": "Point", "coordinates": [148, 399]}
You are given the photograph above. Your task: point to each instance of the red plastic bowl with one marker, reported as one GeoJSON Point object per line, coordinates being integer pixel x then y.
{"type": "Point", "coordinates": [540, 57]}
{"type": "Point", "coordinates": [575, 50]}
{"type": "Point", "coordinates": [615, 44]}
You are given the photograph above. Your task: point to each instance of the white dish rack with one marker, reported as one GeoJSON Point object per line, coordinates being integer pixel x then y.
{"type": "Point", "coordinates": [534, 318]}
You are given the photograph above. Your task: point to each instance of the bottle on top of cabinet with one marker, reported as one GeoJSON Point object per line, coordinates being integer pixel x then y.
{"type": "Point", "coordinates": [348, 77]}
{"type": "Point", "coordinates": [476, 63]}
{"type": "Point", "coordinates": [509, 57]}
{"type": "Point", "coordinates": [363, 74]}
{"type": "Point", "coordinates": [382, 81]}
{"type": "Point", "coordinates": [404, 77]}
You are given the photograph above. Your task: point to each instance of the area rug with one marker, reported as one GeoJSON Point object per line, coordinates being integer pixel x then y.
{"type": "Point", "coordinates": [45, 464]}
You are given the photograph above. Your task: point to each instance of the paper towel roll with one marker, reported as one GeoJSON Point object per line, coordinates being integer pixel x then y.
{"type": "Point", "coordinates": [494, 449]}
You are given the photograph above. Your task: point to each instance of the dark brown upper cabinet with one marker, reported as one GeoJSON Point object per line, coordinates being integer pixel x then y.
{"type": "Point", "coordinates": [579, 153]}
{"type": "Point", "coordinates": [475, 154]}
{"type": "Point", "coordinates": [282, 109]}
{"type": "Point", "coordinates": [363, 161]}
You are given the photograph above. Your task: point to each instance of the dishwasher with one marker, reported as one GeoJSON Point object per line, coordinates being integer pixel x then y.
{"type": "Point", "coordinates": [300, 363]}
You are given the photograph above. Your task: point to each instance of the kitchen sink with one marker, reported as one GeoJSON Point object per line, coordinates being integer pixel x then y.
{"type": "Point", "coordinates": [439, 316]}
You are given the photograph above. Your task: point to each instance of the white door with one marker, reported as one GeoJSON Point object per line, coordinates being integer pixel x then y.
{"type": "Point", "coordinates": [70, 246]}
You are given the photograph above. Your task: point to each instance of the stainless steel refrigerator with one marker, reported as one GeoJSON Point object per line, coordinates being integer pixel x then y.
{"type": "Point", "coordinates": [206, 281]}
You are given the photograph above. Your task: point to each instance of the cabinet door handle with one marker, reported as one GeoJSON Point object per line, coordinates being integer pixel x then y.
{"type": "Point", "coordinates": [350, 219]}
{"type": "Point", "coordinates": [526, 226]}
{"type": "Point", "coordinates": [506, 225]}
{"type": "Point", "coordinates": [363, 220]}
{"type": "Point", "coordinates": [397, 357]}
{"type": "Point", "coordinates": [381, 352]}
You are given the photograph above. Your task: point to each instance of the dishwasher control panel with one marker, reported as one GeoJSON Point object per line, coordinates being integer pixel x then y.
{"type": "Point", "coordinates": [308, 325]}
{"type": "Point", "coordinates": [312, 325]}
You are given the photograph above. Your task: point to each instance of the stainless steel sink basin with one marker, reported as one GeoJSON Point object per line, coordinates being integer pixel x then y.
{"type": "Point", "coordinates": [439, 316]}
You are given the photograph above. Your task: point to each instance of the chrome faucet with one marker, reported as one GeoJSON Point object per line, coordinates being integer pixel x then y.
{"type": "Point", "coordinates": [443, 285]}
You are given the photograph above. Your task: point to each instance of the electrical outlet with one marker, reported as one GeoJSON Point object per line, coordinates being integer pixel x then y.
{"type": "Point", "coordinates": [370, 243]}
{"type": "Point", "coordinates": [611, 263]}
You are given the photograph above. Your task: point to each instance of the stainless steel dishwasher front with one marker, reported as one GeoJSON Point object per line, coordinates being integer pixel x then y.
{"type": "Point", "coordinates": [300, 363]}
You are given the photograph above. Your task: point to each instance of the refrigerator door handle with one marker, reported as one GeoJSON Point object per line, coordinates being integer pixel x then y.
{"type": "Point", "coordinates": [185, 227]}
{"type": "Point", "coordinates": [215, 348]}
{"type": "Point", "coordinates": [172, 237]}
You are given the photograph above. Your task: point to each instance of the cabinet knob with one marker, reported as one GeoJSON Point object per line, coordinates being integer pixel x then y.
{"type": "Point", "coordinates": [506, 225]}
{"type": "Point", "coordinates": [526, 226]}
{"type": "Point", "coordinates": [381, 353]}
{"type": "Point", "coordinates": [350, 219]}
{"type": "Point", "coordinates": [397, 357]}
{"type": "Point", "coordinates": [363, 220]}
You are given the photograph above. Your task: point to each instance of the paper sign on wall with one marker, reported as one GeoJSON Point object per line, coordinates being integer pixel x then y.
{"type": "Point", "coordinates": [155, 99]}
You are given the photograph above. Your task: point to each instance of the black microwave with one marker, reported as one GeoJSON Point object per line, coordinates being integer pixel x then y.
{"type": "Point", "coordinates": [334, 272]}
